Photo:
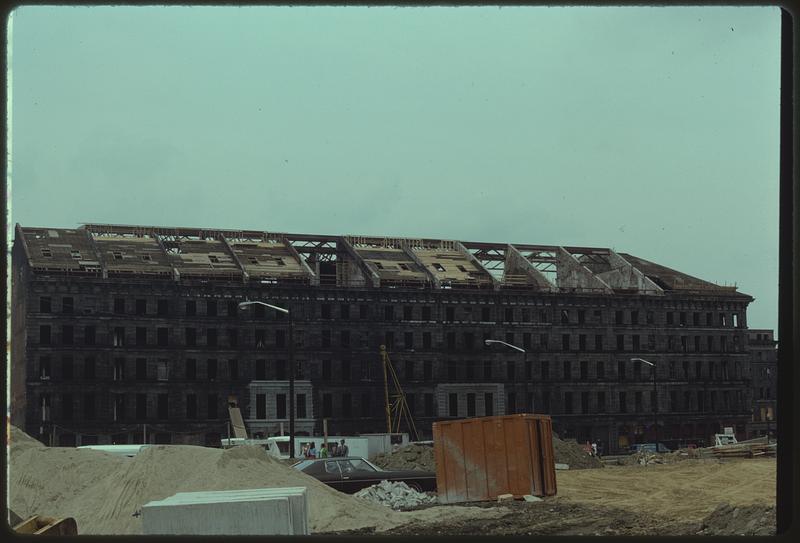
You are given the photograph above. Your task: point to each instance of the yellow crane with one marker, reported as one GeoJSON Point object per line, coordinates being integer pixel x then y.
{"type": "Point", "coordinates": [396, 404]}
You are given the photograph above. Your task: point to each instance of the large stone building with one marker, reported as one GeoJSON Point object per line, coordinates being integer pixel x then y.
{"type": "Point", "coordinates": [120, 330]}
{"type": "Point", "coordinates": [764, 370]}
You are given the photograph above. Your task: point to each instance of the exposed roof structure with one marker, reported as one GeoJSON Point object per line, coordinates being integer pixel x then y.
{"type": "Point", "coordinates": [354, 261]}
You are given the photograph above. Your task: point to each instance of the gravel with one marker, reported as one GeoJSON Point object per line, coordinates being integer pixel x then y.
{"type": "Point", "coordinates": [397, 495]}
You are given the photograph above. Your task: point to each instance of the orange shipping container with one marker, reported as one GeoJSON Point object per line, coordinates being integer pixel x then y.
{"type": "Point", "coordinates": [480, 458]}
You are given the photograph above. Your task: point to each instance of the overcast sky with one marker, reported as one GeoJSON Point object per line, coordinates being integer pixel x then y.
{"type": "Point", "coordinates": [653, 131]}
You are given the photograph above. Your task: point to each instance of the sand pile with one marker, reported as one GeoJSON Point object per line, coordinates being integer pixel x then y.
{"type": "Point", "coordinates": [413, 456]}
{"type": "Point", "coordinates": [103, 492]}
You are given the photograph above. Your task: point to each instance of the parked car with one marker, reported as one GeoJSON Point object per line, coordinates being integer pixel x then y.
{"type": "Point", "coordinates": [352, 473]}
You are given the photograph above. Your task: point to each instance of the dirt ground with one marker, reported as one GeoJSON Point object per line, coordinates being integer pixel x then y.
{"type": "Point", "coordinates": [707, 496]}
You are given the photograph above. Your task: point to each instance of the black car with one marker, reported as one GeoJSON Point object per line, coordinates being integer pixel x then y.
{"type": "Point", "coordinates": [352, 473]}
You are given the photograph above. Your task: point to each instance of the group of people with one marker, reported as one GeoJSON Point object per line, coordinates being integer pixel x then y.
{"type": "Point", "coordinates": [309, 450]}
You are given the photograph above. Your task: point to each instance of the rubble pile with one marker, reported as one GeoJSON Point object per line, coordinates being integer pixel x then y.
{"type": "Point", "coordinates": [396, 495]}
{"type": "Point", "coordinates": [571, 453]}
{"type": "Point", "coordinates": [742, 520]}
{"type": "Point", "coordinates": [412, 456]}
{"type": "Point", "coordinates": [644, 458]}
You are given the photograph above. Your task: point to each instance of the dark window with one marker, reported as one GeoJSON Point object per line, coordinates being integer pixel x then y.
{"type": "Point", "coordinates": [326, 370]}
{"type": "Point", "coordinates": [623, 407]}
{"type": "Point", "coordinates": [511, 403]}
{"type": "Point", "coordinates": [259, 311]}
{"type": "Point", "coordinates": [280, 370]}
{"type": "Point", "coordinates": [163, 308]}
{"type": "Point", "coordinates": [584, 402]}
{"type": "Point", "coordinates": [682, 318]}
{"type": "Point", "coordinates": [344, 338]}
{"type": "Point", "coordinates": [191, 369]}
{"type": "Point", "coordinates": [598, 342]}
{"type": "Point", "coordinates": [584, 370]}
{"type": "Point", "coordinates": [388, 313]}
{"type": "Point", "coordinates": [67, 305]}
{"type": "Point", "coordinates": [211, 369]}
{"type": "Point", "coordinates": [141, 369]}
{"type": "Point", "coordinates": [191, 308]}
{"type": "Point", "coordinates": [649, 317]}
{"type": "Point", "coordinates": [426, 340]}
{"type": "Point", "coordinates": [696, 319]}
{"type": "Point", "coordinates": [670, 317]}
{"type": "Point", "coordinates": [469, 366]}
{"type": "Point", "coordinates": [389, 339]}
{"type": "Point", "coordinates": [141, 307]}
{"type": "Point", "coordinates": [488, 404]}
{"type": "Point", "coordinates": [345, 370]}
{"type": "Point", "coordinates": [565, 342]}
{"type": "Point", "coordinates": [637, 401]}
{"type": "Point", "coordinates": [510, 337]}
{"type": "Point", "coordinates": [581, 316]}
{"type": "Point", "coordinates": [141, 406]}
{"type": "Point", "coordinates": [427, 368]}
{"type": "Point", "coordinates": [618, 317]}
{"type": "Point", "coordinates": [327, 405]}
{"type": "Point", "coordinates": [601, 402]}
{"type": "Point", "coordinates": [486, 315]}
{"type": "Point", "coordinates": [567, 365]}
{"type": "Point", "coordinates": [428, 405]}
{"type": "Point", "coordinates": [529, 370]}
{"type": "Point", "coordinates": [509, 314]}
{"type": "Point", "coordinates": [365, 405]}
{"type": "Point", "coordinates": [635, 338]}
{"type": "Point", "coordinates": [119, 306]}
{"type": "Point", "coordinates": [363, 311]}
{"type": "Point", "coordinates": [673, 400]}
{"type": "Point", "coordinates": [409, 370]}
{"type": "Point", "coordinates": [568, 402]}
{"type": "Point", "coordinates": [510, 373]}
{"type": "Point", "coordinates": [453, 404]}
{"type": "Point", "coordinates": [408, 340]}
{"type": "Point", "coordinates": [66, 406]}
{"type": "Point", "coordinates": [88, 406]}
{"type": "Point", "coordinates": [407, 312]}
{"type": "Point", "coordinates": [211, 337]}
{"type": "Point", "coordinates": [233, 369]}
{"type": "Point", "coordinates": [543, 341]}
{"type": "Point", "coordinates": [261, 370]}
{"type": "Point", "coordinates": [44, 367]}
{"type": "Point", "coordinates": [344, 311]}
{"type": "Point", "coordinates": [300, 406]}
{"type": "Point", "coordinates": [233, 338]}
{"type": "Point", "coordinates": [582, 342]}
{"type": "Point", "coordinates": [634, 317]}
{"type": "Point", "coordinates": [88, 368]}
{"type": "Point", "coordinates": [451, 340]}
{"type": "Point", "coordinates": [347, 404]}
{"type": "Point", "coordinates": [233, 309]}
{"type": "Point", "coordinates": [280, 406]}
{"type": "Point", "coordinates": [709, 319]}
{"type": "Point", "coordinates": [621, 369]}
{"type": "Point", "coordinates": [141, 336]}
{"type": "Point", "coordinates": [325, 311]}
{"type": "Point", "coordinates": [564, 316]}
{"type": "Point", "coordinates": [162, 337]}
{"type": "Point", "coordinates": [260, 339]}
{"type": "Point", "coordinates": [191, 337]}
{"type": "Point", "coordinates": [487, 369]}
{"type": "Point", "coordinates": [426, 312]}
{"type": "Point", "coordinates": [45, 304]}
{"type": "Point", "coordinates": [280, 337]}
{"type": "Point", "coordinates": [452, 370]}
{"type": "Point", "coordinates": [67, 334]}
{"type": "Point", "coordinates": [212, 407]}
{"type": "Point", "coordinates": [545, 370]}
{"type": "Point", "coordinates": [470, 404]}
{"type": "Point", "coordinates": [162, 406]}
{"type": "Point", "coordinates": [89, 335]}
{"type": "Point", "coordinates": [601, 369]}
{"type": "Point", "coordinates": [450, 314]}
{"type": "Point", "coordinates": [526, 340]}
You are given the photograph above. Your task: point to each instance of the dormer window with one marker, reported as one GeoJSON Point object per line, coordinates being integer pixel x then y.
{"type": "Point", "coordinates": [438, 267]}
{"type": "Point", "coordinates": [75, 254]}
{"type": "Point", "coordinates": [46, 253]}
{"type": "Point", "coordinates": [214, 259]}
{"type": "Point", "coordinates": [146, 258]}
{"type": "Point", "coordinates": [280, 261]}
{"type": "Point", "coordinates": [117, 255]}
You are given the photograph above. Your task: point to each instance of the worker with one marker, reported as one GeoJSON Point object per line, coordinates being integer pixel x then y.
{"type": "Point", "coordinates": [343, 449]}
{"type": "Point", "coordinates": [594, 449]}
{"type": "Point", "coordinates": [304, 450]}
{"type": "Point", "coordinates": [333, 450]}
{"type": "Point", "coordinates": [323, 451]}
{"type": "Point", "coordinates": [312, 450]}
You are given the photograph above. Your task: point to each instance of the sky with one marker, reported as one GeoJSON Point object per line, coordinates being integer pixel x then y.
{"type": "Point", "coordinates": [650, 130]}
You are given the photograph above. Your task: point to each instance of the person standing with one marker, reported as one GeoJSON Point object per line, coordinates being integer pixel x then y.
{"type": "Point", "coordinates": [323, 451]}
{"type": "Point", "coordinates": [343, 449]}
{"type": "Point", "coordinates": [312, 450]}
{"type": "Point", "coordinates": [594, 449]}
{"type": "Point", "coordinates": [333, 450]}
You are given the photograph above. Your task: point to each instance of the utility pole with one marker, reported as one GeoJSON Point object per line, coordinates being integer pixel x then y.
{"type": "Point", "coordinates": [386, 390]}
{"type": "Point", "coordinates": [292, 370]}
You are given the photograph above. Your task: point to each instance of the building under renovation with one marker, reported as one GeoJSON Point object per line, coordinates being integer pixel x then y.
{"type": "Point", "coordinates": [121, 332]}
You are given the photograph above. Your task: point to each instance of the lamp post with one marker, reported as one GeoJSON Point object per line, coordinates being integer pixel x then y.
{"type": "Point", "coordinates": [243, 305]}
{"type": "Point", "coordinates": [488, 342]}
{"type": "Point", "coordinates": [655, 395]}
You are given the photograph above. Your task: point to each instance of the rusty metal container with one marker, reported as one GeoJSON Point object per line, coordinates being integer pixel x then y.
{"type": "Point", "coordinates": [478, 459]}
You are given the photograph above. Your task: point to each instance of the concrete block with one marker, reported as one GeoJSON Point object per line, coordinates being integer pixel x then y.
{"type": "Point", "coordinates": [562, 466]}
{"type": "Point", "coordinates": [505, 497]}
{"type": "Point", "coordinates": [529, 498]}
{"type": "Point", "coordinates": [263, 511]}
{"type": "Point", "coordinates": [298, 499]}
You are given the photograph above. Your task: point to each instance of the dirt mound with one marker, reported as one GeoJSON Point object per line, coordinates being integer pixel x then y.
{"type": "Point", "coordinates": [644, 458]}
{"type": "Point", "coordinates": [570, 453]}
{"type": "Point", "coordinates": [103, 492]}
{"type": "Point", "coordinates": [727, 519]}
{"type": "Point", "coordinates": [413, 456]}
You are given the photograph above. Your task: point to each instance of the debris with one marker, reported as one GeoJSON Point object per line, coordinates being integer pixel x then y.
{"type": "Point", "coordinates": [505, 497]}
{"type": "Point", "coordinates": [751, 520]}
{"type": "Point", "coordinates": [570, 452]}
{"type": "Point", "coordinates": [397, 495]}
{"type": "Point", "coordinates": [529, 498]}
{"type": "Point", "coordinates": [562, 466]}
{"type": "Point", "coordinates": [412, 456]}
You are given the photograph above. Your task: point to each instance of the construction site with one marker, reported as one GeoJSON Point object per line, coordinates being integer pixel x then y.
{"type": "Point", "coordinates": [170, 376]}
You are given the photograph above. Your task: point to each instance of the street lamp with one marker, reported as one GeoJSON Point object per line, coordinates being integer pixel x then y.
{"type": "Point", "coordinates": [655, 395]}
{"type": "Point", "coordinates": [244, 305]}
{"type": "Point", "coordinates": [488, 342]}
